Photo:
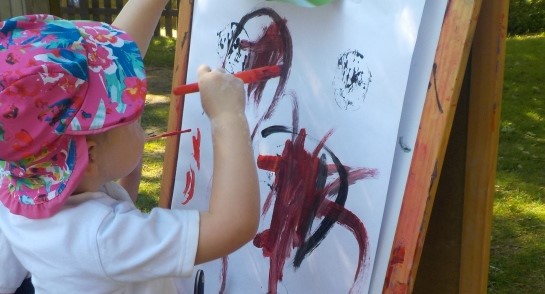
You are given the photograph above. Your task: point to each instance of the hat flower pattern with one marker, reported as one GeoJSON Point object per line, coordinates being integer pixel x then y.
{"type": "Point", "coordinates": [59, 81]}
{"type": "Point", "coordinates": [50, 175]}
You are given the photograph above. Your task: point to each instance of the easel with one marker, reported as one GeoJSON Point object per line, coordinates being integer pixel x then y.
{"type": "Point", "coordinates": [467, 268]}
{"type": "Point", "coordinates": [454, 257]}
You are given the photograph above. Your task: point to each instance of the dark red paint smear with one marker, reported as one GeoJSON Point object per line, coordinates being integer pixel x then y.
{"type": "Point", "coordinates": [189, 189]}
{"type": "Point", "coordinates": [300, 192]}
{"type": "Point", "coordinates": [197, 148]}
{"type": "Point", "coordinates": [273, 47]}
{"type": "Point", "coordinates": [397, 257]}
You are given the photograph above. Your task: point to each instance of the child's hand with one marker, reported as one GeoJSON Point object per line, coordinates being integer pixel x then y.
{"type": "Point", "coordinates": [221, 93]}
{"type": "Point", "coordinates": [232, 218]}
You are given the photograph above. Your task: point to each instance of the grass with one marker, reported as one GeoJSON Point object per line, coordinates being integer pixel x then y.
{"type": "Point", "coordinates": [160, 54]}
{"type": "Point", "coordinates": [518, 237]}
{"type": "Point", "coordinates": [154, 121]}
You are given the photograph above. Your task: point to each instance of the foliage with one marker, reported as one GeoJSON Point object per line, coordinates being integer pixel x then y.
{"type": "Point", "coordinates": [526, 16]}
{"type": "Point", "coordinates": [161, 52]}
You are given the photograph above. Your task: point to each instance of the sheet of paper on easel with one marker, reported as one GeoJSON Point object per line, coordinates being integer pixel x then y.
{"type": "Point", "coordinates": [324, 135]}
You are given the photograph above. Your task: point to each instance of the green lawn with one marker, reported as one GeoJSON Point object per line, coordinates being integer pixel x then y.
{"type": "Point", "coordinates": [518, 237]}
{"type": "Point", "coordinates": [155, 118]}
{"type": "Point", "coordinates": [517, 263]}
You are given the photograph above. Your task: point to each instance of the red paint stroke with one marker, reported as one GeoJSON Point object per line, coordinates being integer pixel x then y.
{"type": "Point", "coordinates": [189, 189]}
{"type": "Point", "coordinates": [300, 192]}
{"type": "Point", "coordinates": [273, 47]}
{"type": "Point", "coordinates": [397, 258]}
{"type": "Point", "coordinates": [197, 148]}
{"type": "Point", "coordinates": [351, 222]}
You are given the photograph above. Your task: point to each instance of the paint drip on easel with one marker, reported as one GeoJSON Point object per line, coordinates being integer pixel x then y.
{"type": "Point", "coordinates": [306, 3]}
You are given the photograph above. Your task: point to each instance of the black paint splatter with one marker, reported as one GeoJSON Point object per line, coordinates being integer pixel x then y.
{"type": "Point", "coordinates": [229, 49]}
{"type": "Point", "coordinates": [352, 80]}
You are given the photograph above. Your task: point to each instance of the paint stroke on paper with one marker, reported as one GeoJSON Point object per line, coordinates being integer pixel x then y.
{"type": "Point", "coordinates": [197, 148]}
{"type": "Point", "coordinates": [273, 46]}
{"type": "Point", "coordinates": [189, 189]}
{"type": "Point", "coordinates": [302, 193]}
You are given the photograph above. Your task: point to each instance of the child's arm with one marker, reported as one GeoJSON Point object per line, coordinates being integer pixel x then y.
{"type": "Point", "coordinates": [139, 18]}
{"type": "Point", "coordinates": [233, 216]}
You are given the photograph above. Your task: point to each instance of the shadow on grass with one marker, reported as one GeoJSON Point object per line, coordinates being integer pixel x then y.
{"type": "Point", "coordinates": [518, 253]}
{"type": "Point", "coordinates": [155, 117]}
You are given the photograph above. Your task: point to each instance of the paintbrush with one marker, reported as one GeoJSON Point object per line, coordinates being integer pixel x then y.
{"type": "Point", "coordinates": [247, 76]}
{"type": "Point", "coordinates": [168, 134]}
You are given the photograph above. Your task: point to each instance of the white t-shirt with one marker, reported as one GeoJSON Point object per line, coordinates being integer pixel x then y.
{"type": "Point", "coordinates": [101, 243]}
{"type": "Point", "coordinates": [12, 272]}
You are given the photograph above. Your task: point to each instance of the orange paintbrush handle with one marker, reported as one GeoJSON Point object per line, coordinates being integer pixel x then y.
{"type": "Point", "coordinates": [247, 76]}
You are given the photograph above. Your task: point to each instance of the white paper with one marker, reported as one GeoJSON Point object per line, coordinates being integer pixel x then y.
{"type": "Point", "coordinates": [374, 38]}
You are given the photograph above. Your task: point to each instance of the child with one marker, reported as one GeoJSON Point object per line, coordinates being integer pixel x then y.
{"type": "Point", "coordinates": [71, 94]}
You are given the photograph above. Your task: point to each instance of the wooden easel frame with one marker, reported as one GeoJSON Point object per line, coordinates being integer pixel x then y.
{"type": "Point", "coordinates": [487, 21]}
{"type": "Point", "coordinates": [479, 27]}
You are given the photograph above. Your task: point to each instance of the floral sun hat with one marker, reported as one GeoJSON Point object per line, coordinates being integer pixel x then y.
{"type": "Point", "coordinates": [59, 81]}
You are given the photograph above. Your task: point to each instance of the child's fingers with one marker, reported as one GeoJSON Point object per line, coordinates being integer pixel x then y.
{"type": "Point", "coordinates": [203, 69]}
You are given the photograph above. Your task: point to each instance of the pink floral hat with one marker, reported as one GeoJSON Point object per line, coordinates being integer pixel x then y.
{"type": "Point", "coordinates": [59, 81]}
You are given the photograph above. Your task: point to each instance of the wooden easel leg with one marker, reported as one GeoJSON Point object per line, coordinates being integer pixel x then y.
{"type": "Point", "coordinates": [439, 267]}
{"type": "Point", "coordinates": [487, 68]}
{"type": "Point", "coordinates": [455, 255]}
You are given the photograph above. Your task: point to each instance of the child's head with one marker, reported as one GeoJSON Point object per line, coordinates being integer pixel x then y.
{"type": "Point", "coordinates": [112, 155]}
{"type": "Point", "coordinates": [60, 81]}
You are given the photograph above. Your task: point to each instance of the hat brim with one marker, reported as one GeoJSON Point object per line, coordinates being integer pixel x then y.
{"type": "Point", "coordinates": [60, 170]}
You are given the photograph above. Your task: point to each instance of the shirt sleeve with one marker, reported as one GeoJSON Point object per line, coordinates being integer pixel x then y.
{"type": "Point", "coordinates": [13, 273]}
{"type": "Point", "coordinates": [135, 246]}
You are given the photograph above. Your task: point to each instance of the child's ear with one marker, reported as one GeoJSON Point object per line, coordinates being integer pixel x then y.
{"type": "Point", "coordinates": [92, 155]}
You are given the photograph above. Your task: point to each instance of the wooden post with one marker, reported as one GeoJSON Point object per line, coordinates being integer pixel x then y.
{"type": "Point", "coordinates": [487, 68]}
{"type": "Point", "coordinates": [176, 102]}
